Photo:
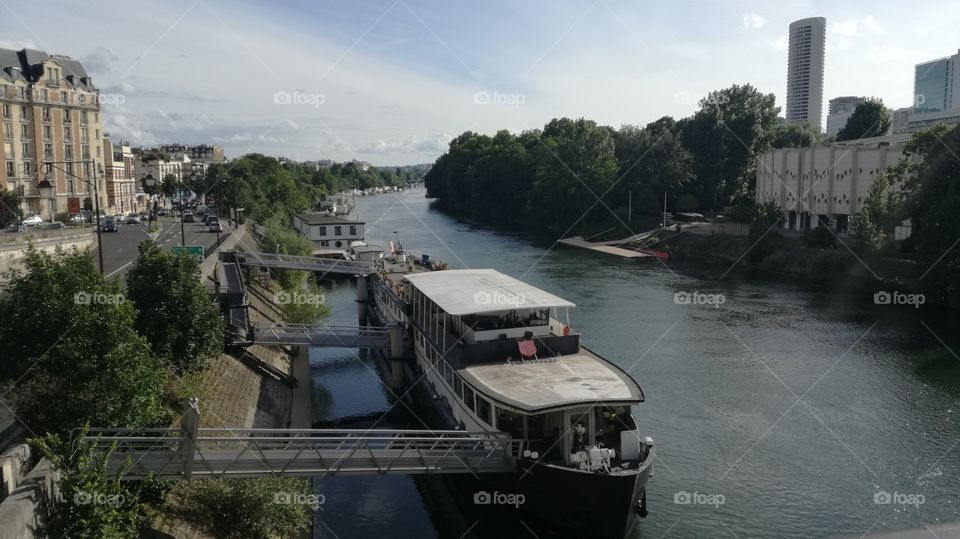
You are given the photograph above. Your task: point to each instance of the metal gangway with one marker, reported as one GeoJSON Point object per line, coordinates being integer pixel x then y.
{"type": "Point", "coordinates": [321, 335]}
{"type": "Point", "coordinates": [218, 453]}
{"type": "Point", "coordinates": [305, 263]}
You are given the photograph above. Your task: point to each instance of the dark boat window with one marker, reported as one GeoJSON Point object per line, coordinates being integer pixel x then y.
{"type": "Point", "coordinates": [483, 410]}
{"type": "Point", "coordinates": [468, 397]}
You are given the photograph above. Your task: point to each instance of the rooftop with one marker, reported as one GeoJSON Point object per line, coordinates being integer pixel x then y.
{"type": "Point", "coordinates": [325, 219]}
{"type": "Point", "coordinates": [572, 379]}
{"type": "Point", "coordinates": [474, 291]}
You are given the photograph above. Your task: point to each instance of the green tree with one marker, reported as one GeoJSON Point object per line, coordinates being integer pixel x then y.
{"type": "Point", "coordinates": [732, 127]}
{"type": "Point", "coordinates": [69, 349]}
{"type": "Point", "coordinates": [250, 508]}
{"type": "Point", "coordinates": [934, 209]}
{"type": "Point", "coordinates": [870, 119]}
{"type": "Point", "coordinates": [9, 207]}
{"type": "Point", "coordinates": [573, 166]}
{"type": "Point", "coordinates": [174, 310]}
{"type": "Point", "coordinates": [652, 160]}
{"type": "Point", "coordinates": [874, 222]}
{"type": "Point", "coordinates": [278, 238]}
{"type": "Point", "coordinates": [801, 135]}
{"type": "Point", "coordinates": [91, 504]}
{"type": "Point", "coordinates": [764, 229]}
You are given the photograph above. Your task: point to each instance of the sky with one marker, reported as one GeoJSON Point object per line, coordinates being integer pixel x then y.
{"type": "Point", "coordinates": [393, 81]}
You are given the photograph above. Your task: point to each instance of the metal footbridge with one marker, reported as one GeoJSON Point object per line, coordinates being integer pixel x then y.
{"type": "Point", "coordinates": [321, 335]}
{"type": "Point", "coordinates": [217, 453]}
{"type": "Point", "coordinates": [305, 263]}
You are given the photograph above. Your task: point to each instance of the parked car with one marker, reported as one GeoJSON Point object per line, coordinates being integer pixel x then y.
{"type": "Point", "coordinates": [132, 219]}
{"type": "Point", "coordinates": [214, 225]}
{"type": "Point", "coordinates": [77, 219]}
{"type": "Point", "coordinates": [33, 220]}
{"type": "Point", "coordinates": [15, 228]}
{"type": "Point", "coordinates": [208, 217]}
{"type": "Point", "coordinates": [110, 225]}
{"type": "Point", "coordinates": [162, 211]}
{"type": "Point", "coordinates": [188, 217]}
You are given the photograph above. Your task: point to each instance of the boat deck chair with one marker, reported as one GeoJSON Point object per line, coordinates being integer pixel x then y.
{"type": "Point", "coordinates": [528, 349]}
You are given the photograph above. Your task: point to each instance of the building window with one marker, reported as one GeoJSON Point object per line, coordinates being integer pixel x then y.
{"type": "Point", "coordinates": [84, 136]}
{"type": "Point", "coordinates": [337, 230]}
{"type": "Point", "coordinates": [63, 97]}
{"type": "Point", "coordinates": [48, 151]}
{"type": "Point", "coordinates": [85, 152]}
{"type": "Point", "coordinates": [71, 187]}
{"type": "Point", "coordinates": [67, 134]}
{"type": "Point", "coordinates": [10, 169]}
{"type": "Point", "coordinates": [26, 168]}
{"type": "Point", "coordinates": [25, 146]}
{"type": "Point", "coordinates": [44, 95]}
{"type": "Point", "coordinates": [46, 114]}
{"type": "Point", "coordinates": [24, 117]}
{"type": "Point", "coordinates": [22, 92]}
{"type": "Point", "coordinates": [8, 130]}
{"type": "Point", "coordinates": [67, 117]}
{"type": "Point", "coordinates": [68, 152]}
{"type": "Point", "coordinates": [47, 132]}
{"type": "Point", "coordinates": [353, 230]}
{"type": "Point", "coordinates": [6, 110]}
{"type": "Point", "coordinates": [25, 131]}
{"type": "Point", "coordinates": [83, 116]}
{"type": "Point", "coordinates": [323, 230]}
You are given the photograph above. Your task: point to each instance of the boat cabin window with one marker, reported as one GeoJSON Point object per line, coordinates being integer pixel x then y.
{"type": "Point", "coordinates": [448, 373]}
{"type": "Point", "coordinates": [514, 318]}
{"type": "Point", "coordinates": [510, 422]}
{"type": "Point", "coordinates": [468, 397]}
{"type": "Point", "coordinates": [483, 410]}
{"type": "Point", "coordinates": [458, 387]}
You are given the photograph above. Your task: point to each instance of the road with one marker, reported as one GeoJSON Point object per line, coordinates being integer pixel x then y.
{"type": "Point", "coordinates": [120, 248]}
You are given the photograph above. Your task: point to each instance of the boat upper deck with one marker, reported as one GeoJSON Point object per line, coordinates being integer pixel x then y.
{"type": "Point", "coordinates": [537, 385]}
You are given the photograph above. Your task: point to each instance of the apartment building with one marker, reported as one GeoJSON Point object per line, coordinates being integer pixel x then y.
{"type": "Point", "coordinates": [122, 185]}
{"type": "Point", "coordinates": [805, 64]}
{"type": "Point", "coordinates": [50, 111]}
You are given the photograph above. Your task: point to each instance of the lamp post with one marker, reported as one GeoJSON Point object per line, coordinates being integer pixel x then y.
{"type": "Point", "coordinates": [47, 189]}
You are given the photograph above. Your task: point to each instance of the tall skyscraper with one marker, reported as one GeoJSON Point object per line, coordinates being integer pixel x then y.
{"type": "Point", "coordinates": [808, 43]}
{"type": "Point", "coordinates": [936, 85]}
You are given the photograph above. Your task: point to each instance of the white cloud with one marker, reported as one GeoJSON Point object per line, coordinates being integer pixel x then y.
{"type": "Point", "coordinates": [873, 25]}
{"type": "Point", "coordinates": [881, 54]}
{"type": "Point", "coordinates": [781, 43]}
{"type": "Point", "coordinates": [852, 27]}
{"type": "Point", "coordinates": [753, 21]}
{"type": "Point", "coordinates": [436, 144]}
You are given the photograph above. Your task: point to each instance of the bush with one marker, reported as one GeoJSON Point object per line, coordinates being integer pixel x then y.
{"type": "Point", "coordinates": [250, 508]}
{"type": "Point", "coordinates": [819, 238]}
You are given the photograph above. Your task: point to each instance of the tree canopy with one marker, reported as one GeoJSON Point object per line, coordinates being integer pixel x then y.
{"type": "Point", "coordinates": [174, 310]}
{"type": "Point", "coordinates": [870, 119]}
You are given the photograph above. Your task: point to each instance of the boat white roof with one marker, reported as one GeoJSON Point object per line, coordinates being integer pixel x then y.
{"type": "Point", "coordinates": [475, 291]}
{"type": "Point", "coordinates": [569, 380]}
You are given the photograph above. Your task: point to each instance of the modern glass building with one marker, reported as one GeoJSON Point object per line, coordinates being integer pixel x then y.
{"type": "Point", "coordinates": [936, 85]}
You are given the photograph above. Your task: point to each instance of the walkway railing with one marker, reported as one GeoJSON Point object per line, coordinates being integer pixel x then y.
{"type": "Point", "coordinates": [305, 263]}
{"type": "Point", "coordinates": [221, 453]}
{"type": "Point", "coordinates": [321, 335]}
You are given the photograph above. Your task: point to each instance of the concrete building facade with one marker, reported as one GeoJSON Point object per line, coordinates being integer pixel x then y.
{"type": "Point", "coordinates": [50, 112]}
{"type": "Point", "coordinates": [805, 63]}
{"type": "Point", "coordinates": [936, 85]}
{"type": "Point", "coordinates": [122, 188]}
{"type": "Point", "coordinates": [824, 184]}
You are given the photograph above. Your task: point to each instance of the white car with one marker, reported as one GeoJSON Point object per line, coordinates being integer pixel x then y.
{"type": "Point", "coordinates": [32, 220]}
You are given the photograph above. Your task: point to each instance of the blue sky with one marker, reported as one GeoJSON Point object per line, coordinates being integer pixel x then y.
{"type": "Point", "coordinates": [392, 81]}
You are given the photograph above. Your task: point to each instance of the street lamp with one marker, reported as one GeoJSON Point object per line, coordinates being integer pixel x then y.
{"type": "Point", "coordinates": [47, 190]}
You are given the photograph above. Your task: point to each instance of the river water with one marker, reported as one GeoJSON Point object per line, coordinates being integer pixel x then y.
{"type": "Point", "coordinates": [786, 411]}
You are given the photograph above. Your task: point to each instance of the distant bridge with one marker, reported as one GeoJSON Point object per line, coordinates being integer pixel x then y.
{"type": "Point", "coordinates": [322, 335]}
{"type": "Point", "coordinates": [305, 263]}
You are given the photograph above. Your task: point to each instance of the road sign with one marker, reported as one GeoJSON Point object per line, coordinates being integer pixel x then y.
{"type": "Point", "coordinates": [195, 251]}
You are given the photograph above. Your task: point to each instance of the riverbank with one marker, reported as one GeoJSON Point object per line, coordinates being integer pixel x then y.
{"type": "Point", "coordinates": [234, 393]}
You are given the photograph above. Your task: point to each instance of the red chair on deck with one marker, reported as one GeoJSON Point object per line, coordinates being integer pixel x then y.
{"type": "Point", "coordinates": [528, 349]}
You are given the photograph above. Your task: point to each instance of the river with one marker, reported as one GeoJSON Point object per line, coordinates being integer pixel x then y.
{"type": "Point", "coordinates": [785, 411]}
